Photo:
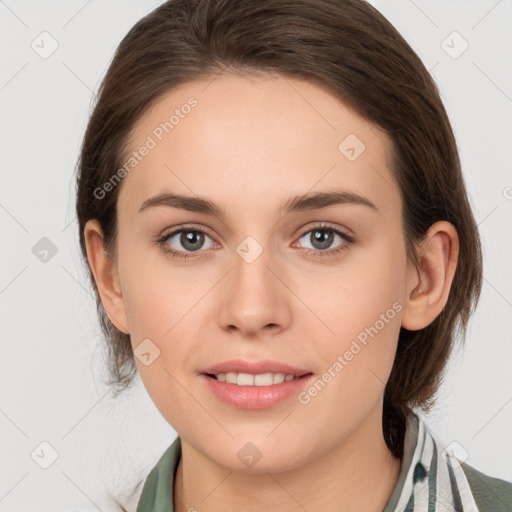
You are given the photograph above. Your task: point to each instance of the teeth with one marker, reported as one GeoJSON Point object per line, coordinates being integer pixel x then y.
{"type": "Point", "coordinates": [247, 379]}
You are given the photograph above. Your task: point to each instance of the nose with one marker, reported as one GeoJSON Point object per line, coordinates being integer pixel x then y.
{"type": "Point", "coordinates": [254, 297]}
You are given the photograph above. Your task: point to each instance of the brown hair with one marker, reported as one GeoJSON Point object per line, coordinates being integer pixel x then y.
{"type": "Point", "coordinates": [346, 46]}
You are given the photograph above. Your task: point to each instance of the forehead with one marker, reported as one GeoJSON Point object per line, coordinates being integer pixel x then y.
{"type": "Point", "coordinates": [247, 141]}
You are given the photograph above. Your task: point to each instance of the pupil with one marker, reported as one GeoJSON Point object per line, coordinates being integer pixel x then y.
{"type": "Point", "coordinates": [323, 237]}
{"type": "Point", "coordinates": [192, 240]}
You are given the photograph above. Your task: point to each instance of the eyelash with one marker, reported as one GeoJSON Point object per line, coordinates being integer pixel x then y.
{"type": "Point", "coordinates": [315, 253]}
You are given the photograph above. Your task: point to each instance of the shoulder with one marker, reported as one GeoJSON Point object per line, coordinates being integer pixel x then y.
{"type": "Point", "coordinates": [490, 494]}
{"type": "Point", "coordinates": [157, 492]}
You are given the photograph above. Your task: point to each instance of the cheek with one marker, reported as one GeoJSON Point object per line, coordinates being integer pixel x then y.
{"type": "Point", "coordinates": [162, 313]}
{"type": "Point", "coordinates": [362, 307]}
{"type": "Point", "coordinates": [157, 293]}
{"type": "Point", "coordinates": [365, 286]}
{"type": "Point", "coordinates": [164, 304]}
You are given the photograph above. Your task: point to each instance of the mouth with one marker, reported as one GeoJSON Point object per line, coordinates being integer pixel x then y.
{"type": "Point", "coordinates": [264, 372]}
{"type": "Point", "coordinates": [255, 391]}
{"type": "Point", "coordinates": [262, 379]}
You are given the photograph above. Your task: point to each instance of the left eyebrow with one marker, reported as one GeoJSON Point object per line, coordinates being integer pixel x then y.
{"type": "Point", "coordinates": [306, 202]}
{"type": "Point", "coordinates": [319, 200]}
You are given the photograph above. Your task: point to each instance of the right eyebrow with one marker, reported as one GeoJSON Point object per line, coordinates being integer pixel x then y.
{"type": "Point", "coordinates": [191, 204]}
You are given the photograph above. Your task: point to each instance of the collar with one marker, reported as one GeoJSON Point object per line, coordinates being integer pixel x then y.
{"type": "Point", "coordinates": [431, 477]}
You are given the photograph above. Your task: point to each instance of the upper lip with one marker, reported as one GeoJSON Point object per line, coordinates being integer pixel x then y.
{"type": "Point", "coordinates": [255, 367]}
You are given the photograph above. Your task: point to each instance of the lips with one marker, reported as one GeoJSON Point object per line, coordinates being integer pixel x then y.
{"type": "Point", "coordinates": [254, 367]}
{"type": "Point", "coordinates": [255, 397]}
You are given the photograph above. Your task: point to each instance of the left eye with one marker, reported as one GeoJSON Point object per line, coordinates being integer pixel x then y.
{"type": "Point", "coordinates": [322, 238]}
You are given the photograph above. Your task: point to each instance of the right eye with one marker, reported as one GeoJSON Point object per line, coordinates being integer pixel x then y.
{"type": "Point", "coordinates": [191, 240]}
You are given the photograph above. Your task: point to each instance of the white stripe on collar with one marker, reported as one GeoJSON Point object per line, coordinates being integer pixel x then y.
{"type": "Point", "coordinates": [435, 481]}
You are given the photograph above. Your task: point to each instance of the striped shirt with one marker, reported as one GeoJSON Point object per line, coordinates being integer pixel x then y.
{"type": "Point", "coordinates": [431, 479]}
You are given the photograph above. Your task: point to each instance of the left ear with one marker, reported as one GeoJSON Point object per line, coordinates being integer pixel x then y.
{"type": "Point", "coordinates": [429, 282]}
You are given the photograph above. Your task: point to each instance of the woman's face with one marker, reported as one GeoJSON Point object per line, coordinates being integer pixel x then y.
{"type": "Point", "coordinates": [270, 278]}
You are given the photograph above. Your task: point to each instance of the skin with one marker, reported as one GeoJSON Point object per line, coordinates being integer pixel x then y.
{"type": "Point", "coordinates": [249, 145]}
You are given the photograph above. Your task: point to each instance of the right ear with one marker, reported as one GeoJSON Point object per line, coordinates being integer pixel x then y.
{"type": "Point", "coordinates": [104, 269]}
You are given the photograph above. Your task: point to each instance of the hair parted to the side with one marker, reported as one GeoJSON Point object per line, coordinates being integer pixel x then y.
{"type": "Point", "coordinates": [345, 46]}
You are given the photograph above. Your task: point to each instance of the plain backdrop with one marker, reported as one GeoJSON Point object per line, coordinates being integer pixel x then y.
{"type": "Point", "coordinates": [54, 409]}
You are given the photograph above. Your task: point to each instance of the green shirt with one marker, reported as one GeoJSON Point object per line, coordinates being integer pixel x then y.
{"type": "Point", "coordinates": [430, 480]}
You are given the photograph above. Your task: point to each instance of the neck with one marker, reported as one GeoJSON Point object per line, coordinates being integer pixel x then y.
{"type": "Point", "coordinates": [359, 473]}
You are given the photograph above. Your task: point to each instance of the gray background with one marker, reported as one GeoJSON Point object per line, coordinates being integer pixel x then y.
{"type": "Point", "coordinates": [51, 362]}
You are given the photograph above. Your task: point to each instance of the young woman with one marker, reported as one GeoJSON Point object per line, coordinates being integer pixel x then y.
{"type": "Point", "coordinates": [273, 214]}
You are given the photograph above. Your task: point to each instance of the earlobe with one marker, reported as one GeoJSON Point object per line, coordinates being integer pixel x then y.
{"type": "Point", "coordinates": [105, 275]}
{"type": "Point", "coordinates": [429, 281]}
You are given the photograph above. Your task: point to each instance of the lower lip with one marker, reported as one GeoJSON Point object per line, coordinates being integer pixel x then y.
{"type": "Point", "coordinates": [256, 397]}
